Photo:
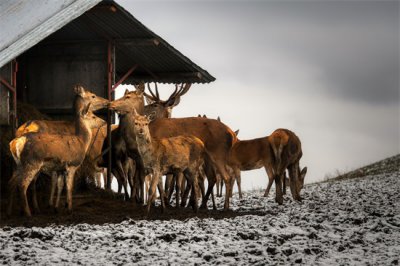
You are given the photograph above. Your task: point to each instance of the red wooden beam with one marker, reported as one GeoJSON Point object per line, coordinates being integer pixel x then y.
{"type": "Point", "coordinates": [125, 77]}
{"type": "Point", "coordinates": [5, 83]}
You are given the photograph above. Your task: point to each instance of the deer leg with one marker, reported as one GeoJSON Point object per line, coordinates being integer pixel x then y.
{"type": "Point", "coordinates": [152, 190]}
{"type": "Point", "coordinates": [135, 189]}
{"type": "Point", "coordinates": [186, 194]}
{"type": "Point", "coordinates": [162, 194]}
{"type": "Point", "coordinates": [147, 185]}
{"type": "Point", "coordinates": [218, 187]}
{"type": "Point", "coordinates": [270, 175]}
{"type": "Point", "coordinates": [278, 189]}
{"type": "Point", "coordinates": [124, 178]}
{"type": "Point", "coordinates": [239, 183]}
{"type": "Point", "coordinates": [284, 183]}
{"type": "Point", "coordinates": [53, 187]}
{"type": "Point", "coordinates": [193, 181]}
{"type": "Point", "coordinates": [202, 188]}
{"type": "Point", "coordinates": [70, 186]}
{"type": "Point", "coordinates": [172, 183]}
{"type": "Point", "coordinates": [34, 196]}
{"type": "Point", "coordinates": [168, 185]}
{"type": "Point", "coordinates": [227, 180]}
{"type": "Point", "coordinates": [183, 187]}
{"type": "Point", "coordinates": [178, 182]}
{"type": "Point", "coordinates": [12, 188]}
{"type": "Point", "coordinates": [195, 191]}
{"type": "Point", "coordinates": [104, 174]}
{"type": "Point", "coordinates": [293, 179]}
{"type": "Point", "coordinates": [30, 173]}
{"type": "Point", "coordinates": [221, 186]}
{"type": "Point", "coordinates": [60, 179]}
{"type": "Point", "coordinates": [232, 184]}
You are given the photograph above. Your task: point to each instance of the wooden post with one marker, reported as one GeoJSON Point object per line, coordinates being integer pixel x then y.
{"type": "Point", "coordinates": [110, 77]}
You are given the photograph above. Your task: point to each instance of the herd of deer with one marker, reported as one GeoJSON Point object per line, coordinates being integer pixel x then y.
{"type": "Point", "coordinates": [146, 145]}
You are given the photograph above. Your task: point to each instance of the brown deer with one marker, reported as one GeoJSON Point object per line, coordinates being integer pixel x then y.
{"type": "Point", "coordinates": [68, 128]}
{"type": "Point", "coordinates": [276, 153]}
{"type": "Point", "coordinates": [173, 155]}
{"type": "Point", "coordinates": [157, 108]}
{"type": "Point", "coordinates": [216, 136]}
{"type": "Point", "coordinates": [49, 153]}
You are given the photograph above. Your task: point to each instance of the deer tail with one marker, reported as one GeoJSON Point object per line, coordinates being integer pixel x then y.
{"type": "Point", "coordinates": [16, 147]}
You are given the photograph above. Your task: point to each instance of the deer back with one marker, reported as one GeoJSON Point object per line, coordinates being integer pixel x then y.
{"type": "Point", "coordinates": [217, 137]}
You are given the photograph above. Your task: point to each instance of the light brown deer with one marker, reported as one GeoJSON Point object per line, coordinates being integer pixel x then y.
{"type": "Point", "coordinates": [174, 155]}
{"type": "Point", "coordinates": [216, 136]}
{"type": "Point", "coordinates": [157, 108]}
{"type": "Point", "coordinates": [67, 128]}
{"type": "Point", "coordinates": [276, 153]}
{"type": "Point", "coordinates": [49, 153]}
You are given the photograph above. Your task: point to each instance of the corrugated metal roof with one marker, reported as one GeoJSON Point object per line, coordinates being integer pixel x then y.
{"type": "Point", "coordinates": [134, 43]}
{"type": "Point", "coordinates": [25, 23]}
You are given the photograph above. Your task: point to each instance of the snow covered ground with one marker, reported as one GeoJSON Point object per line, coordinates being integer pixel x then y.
{"type": "Point", "coordinates": [351, 222]}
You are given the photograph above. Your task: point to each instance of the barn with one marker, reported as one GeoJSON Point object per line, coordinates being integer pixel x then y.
{"type": "Point", "coordinates": [47, 47]}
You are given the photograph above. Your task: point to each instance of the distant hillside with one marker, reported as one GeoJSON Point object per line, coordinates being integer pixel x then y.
{"type": "Point", "coordinates": [386, 166]}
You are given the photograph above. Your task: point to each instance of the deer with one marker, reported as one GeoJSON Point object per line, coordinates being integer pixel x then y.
{"type": "Point", "coordinates": [217, 137]}
{"type": "Point", "coordinates": [49, 153]}
{"type": "Point", "coordinates": [158, 108]}
{"type": "Point", "coordinates": [173, 155]}
{"type": "Point", "coordinates": [65, 127]}
{"type": "Point", "coordinates": [277, 152]}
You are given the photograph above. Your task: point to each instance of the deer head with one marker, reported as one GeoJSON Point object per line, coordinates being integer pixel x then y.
{"type": "Point", "coordinates": [141, 126]}
{"type": "Point", "coordinates": [131, 100]}
{"type": "Point", "coordinates": [93, 120]}
{"type": "Point", "coordinates": [163, 108]}
{"type": "Point", "coordinates": [89, 97]}
{"type": "Point", "coordinates": [300, 182]}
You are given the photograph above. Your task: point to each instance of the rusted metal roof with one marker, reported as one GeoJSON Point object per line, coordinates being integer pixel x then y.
{"type": "Point", "coordinates": [135, 44]}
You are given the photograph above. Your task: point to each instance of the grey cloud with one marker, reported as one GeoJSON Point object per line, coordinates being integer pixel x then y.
{"type": "Point", "coordinates": [355, 44]}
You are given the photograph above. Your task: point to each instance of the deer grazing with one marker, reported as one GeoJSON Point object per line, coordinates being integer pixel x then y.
{"type": "Point", "coordinates": [173, 155]}
{"type": "Point", "coordinates": [49, 153]}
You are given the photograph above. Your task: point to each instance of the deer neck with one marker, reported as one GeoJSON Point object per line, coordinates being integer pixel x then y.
{"type": "Point", "coordinates": [83, 131]}
{"type": "Point", "coordinates": [146, 149]}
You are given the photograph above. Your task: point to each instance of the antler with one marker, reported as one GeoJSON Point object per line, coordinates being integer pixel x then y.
{"type": "Point", "coordinates": [153, 97]}
{"type": "Point", "coordinates": [181, 91]}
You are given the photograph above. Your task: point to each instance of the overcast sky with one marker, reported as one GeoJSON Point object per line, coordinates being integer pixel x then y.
{"type": "Point", "coordinates": [327, 70]}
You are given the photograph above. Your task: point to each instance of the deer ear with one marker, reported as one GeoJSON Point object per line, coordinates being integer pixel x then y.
{"type": "Point", "coordinates": [86, 109]}
{"type": "Point", "coordinates": [199, 115]}
{"type": "Point", "coordinates": [151, 116]}
{"type": "Point", "coordinates": [303, 172]}
{"type": "Point", "coordinates": [140, 87]}
{"type": "Point", "coordinates": [204, 116]}
{"type": "Point", "coordinates": [126, 92]}
{"type": "Point", "coordinates": [219, 119]}
{"type": "Point", "coordinates": [237, 132]}
{"type": "Point", "coordinates": [79, 90]}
